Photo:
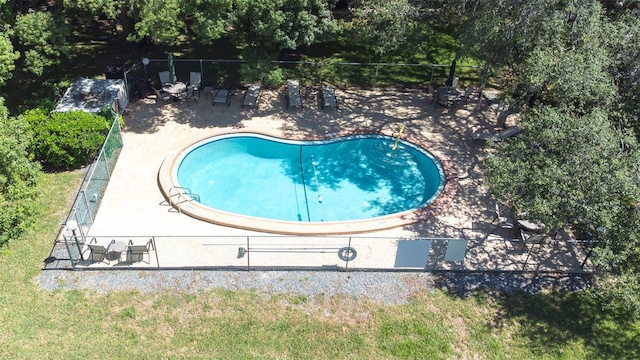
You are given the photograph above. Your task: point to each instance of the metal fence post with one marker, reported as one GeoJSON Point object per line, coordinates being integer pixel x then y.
{"type": "Point", "coordinates": [248, 256]}
{"type": "Point", "coordinates": [155, 248]}
{"type": "Point", "coordinates": [201, 75]}
{"type": "Point", "coordinates": [346, 267]}
{"type": "Point", "coordinates": [86, 204]}
{"type": "Point", "coordinates": [375, 81]}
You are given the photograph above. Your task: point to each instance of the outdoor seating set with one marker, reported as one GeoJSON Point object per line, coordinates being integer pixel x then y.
{"type": "Point", "coordinates": [486, 135]}
{"type": "Point", "coordinates": [521, 231]}
{"type": "Point", "coordinates": [178, 90]}
{"type": "Point", "coordinates": [113, 251]}
{"type": "Point", "coordinates": [450, 96]}
{"type": "Point", "coordinates": [326, 96]}
{"type": "Point", "coordinates": [223, 96]}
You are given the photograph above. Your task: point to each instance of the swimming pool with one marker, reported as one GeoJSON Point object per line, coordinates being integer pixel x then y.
{"type": "Point", "coordinates": [261, 182]}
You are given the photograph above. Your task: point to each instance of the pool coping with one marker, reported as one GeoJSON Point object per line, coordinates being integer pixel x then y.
{"type": "Point", "coordinates": [166, 183]}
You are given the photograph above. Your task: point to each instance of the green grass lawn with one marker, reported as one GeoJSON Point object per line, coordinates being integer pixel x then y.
{"type": "Point", "coordinates": [36, 323]}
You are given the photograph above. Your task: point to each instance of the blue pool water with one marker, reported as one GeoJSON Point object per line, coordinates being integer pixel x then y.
{"type": "Point", "coordinates": [348, 178]}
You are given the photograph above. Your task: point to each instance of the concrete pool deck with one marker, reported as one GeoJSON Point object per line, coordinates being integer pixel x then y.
{"type": "Point", "coordinates": [132, 205]}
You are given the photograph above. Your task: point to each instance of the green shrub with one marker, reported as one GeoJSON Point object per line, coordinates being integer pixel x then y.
{"type": "Point", "coordinates": [274, 78]}
{"type": "Point", "coordinates": [66, 139]}
{"type": "Point", "coordinates": [18, 177]}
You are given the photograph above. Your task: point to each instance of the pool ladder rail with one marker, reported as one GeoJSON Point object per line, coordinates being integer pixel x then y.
{"type": "Point", "coordinates": [182, 194]}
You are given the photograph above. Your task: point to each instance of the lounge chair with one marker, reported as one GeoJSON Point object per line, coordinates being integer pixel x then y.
{"type": "Point", "coordinates": [195, 82]}
{"type": "Point", "coordinates": [164, 77]}
{"type": "Point", "coordinates": [328, 97]}
{"type": "Point", "coordinates": [223, 96]}
{"type": "Point", "coordinates": [506, 133]}
{"type": "Point", "coordinates": [294, 98]}
{"type": "Point", "coordinates": [251, 96]}
{"type": "Point", "coordinates": [162, 95]}
{"type": "Point", "coordinates": [135, 253]}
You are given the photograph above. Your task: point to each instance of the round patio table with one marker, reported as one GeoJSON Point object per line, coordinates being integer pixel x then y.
{"type": "Point", "coordinates": [174, 88]}
{"type": "Point", "coordinates": [117, 248]}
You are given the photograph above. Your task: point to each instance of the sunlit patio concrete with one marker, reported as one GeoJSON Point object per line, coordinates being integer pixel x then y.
{"type": "Point", "coordinates": [133, 204]}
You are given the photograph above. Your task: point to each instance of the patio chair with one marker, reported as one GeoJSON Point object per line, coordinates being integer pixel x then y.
{"type": "Point", "coordinates": [446, 100]}
{"type": "Point", "coordinates": [328, 97]}
{"type": "Point", "coordinates": [161, 95]}
{"type": "Point", "coordinates": [484, 135]}
{"type": "Point", "coordinates": [454, 82]}
{"type": "Point", "coordinates": [98, 253]}
{"type": "Point", "coordinates": [187, 95]}
{"type": "Point", "coordinates": [223, 96]}
{"type": "Point", "coordinates": [135, 253]}
{"type": "Point", "coordinates": [251, 96]}
{"type": "Point", "coordinates": [503, 221]}
{"type": "Point", "coordinates": [432, 92]}
{"type": "Point", "coordinates": [533, 239]}
{"type": "Point", "coordinates": [294, 98]}
{"type": "Point", "coordinates": [467, 93]}
{"type": "Point", "coordinates": [195, 82]}
{"type": "Point", "coordinates": [164, 77]}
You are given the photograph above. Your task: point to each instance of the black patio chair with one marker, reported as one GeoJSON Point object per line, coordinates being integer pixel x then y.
{"type": "Point", "coordinates": [135, 253]}
{"type": "Point", "coordinates": [98, 253]}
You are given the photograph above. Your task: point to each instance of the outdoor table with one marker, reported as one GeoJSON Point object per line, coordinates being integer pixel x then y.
{"type": "Point", "coordinates": [448, 91]}
{"type": "Point", "coordinates": [175, 88]}
{"type": "Point", "coordinates": [117, 248]}
{"type": "Point", "coordinates": [450, 94]}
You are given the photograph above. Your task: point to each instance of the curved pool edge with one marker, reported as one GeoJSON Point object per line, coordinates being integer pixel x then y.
{"type": "Point", "coordinates": [166, 184]}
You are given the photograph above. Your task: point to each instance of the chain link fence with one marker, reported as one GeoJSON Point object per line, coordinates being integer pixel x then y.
{"type": "Point", "coordinates": [226, 73]}
{"type": "Point", "coordinates": [337, 253]}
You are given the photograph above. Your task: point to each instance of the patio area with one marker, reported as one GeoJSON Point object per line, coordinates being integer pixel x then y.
{"type": "Point", "coordinates": [133, 206]}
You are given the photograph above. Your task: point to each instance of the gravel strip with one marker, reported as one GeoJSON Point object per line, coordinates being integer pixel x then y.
{"type": "Point", "coordinates": [387, 288]}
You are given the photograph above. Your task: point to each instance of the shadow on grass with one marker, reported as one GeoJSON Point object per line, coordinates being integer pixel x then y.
{"type": "Point", "coordinates": [553, 320]}
{"type": "Point", "coordinates": [555, 315]}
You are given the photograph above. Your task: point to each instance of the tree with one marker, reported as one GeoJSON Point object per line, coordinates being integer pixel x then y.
{"type": "Point", "coordinates": [42, 34]}
{"type": "Point", "coordinates": [264, 27]}
{"type": "Point", "coordinates": [564, 169]}
{"type": "Point", "coordinates": [575, 68]}
{"type": "Point", "coordinates": [7, 58]}
{"type": "Point", "coordinates": [210, 18]}
{"type": "Point", "coordinates": [385, 26]}
{"type": "Point", "coordinates": [18, 175]}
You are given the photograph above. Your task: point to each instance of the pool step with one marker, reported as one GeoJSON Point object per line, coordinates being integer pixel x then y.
{"type": "Point", "coordinates": [181, 195]}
